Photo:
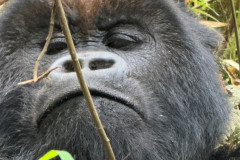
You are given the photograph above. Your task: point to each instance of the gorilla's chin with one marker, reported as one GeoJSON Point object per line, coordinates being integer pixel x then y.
{"type": "Point", "coordinates": [71, 127]}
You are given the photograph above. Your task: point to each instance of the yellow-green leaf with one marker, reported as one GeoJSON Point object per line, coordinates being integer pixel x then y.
{"type": "Point", "coordinates": [64, 155]}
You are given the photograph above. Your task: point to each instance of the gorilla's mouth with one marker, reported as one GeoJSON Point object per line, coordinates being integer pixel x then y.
{"type": "Point", "coordinates": [96, 93]}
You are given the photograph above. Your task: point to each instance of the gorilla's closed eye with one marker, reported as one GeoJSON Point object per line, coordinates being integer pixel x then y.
{"type": "Point", "coordinates": [121, 41]}
{"type": "Point", "coordinates": [56, 45]}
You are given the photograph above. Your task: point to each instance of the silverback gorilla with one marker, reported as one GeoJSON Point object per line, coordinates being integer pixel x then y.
{"type": "Point", "coordinates": [149, 68]}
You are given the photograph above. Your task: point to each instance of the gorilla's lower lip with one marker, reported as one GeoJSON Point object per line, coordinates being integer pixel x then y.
{"type": "Point", "coordinates": [97, 93]}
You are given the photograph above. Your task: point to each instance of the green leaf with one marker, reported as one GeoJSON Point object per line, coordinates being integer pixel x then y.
{"type": "Point", "coordinates": [64, 155]}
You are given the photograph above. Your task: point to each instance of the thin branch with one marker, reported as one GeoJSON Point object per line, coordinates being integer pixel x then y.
{"type": "Point", "coordinates": [45, 74]}
{"type": "Point", "coordinates": [230, 75]}
{"type": "Point", "coordinates": [48, 39]}
{"type": "Point", "coordinates": [127, 156]}
{"type": "Point", "coordinates": [236, 34]}
{"type": "Point", "coordinates": [85, 90]}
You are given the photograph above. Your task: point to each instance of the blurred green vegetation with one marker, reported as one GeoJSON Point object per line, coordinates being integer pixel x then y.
{"type": "Point", "coordinates": [220, 11]}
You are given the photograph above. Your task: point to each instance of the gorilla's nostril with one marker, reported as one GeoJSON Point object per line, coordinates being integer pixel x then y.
{"type": "Point", "coordinates": [68, 66]}
{"type": "Point", "coordinates": [100, 64]}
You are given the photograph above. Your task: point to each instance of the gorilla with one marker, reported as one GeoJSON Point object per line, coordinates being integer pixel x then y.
{"type": "Point", "coordinates": [148, 66]}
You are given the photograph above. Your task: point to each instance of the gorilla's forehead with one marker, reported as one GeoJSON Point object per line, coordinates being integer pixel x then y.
{"type": "Point", "coordinates": [89, 13]}
{"type": "Point", "coordinates": [105, 12]}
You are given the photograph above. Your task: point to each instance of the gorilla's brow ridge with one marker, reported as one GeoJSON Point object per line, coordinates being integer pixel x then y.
{"type": "Point", "coordinates": [87, 10]}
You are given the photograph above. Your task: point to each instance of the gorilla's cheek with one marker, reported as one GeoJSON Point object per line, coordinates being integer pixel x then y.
{"type": "Point", "coordinates": [112, 113]}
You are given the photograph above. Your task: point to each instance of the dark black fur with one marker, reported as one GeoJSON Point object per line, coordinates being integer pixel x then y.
{"type": "Point", "coordinates": [162, 102]}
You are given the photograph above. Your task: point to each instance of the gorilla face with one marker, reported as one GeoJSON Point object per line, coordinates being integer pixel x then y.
{"type": "Point", "coordinates": [147, 64]}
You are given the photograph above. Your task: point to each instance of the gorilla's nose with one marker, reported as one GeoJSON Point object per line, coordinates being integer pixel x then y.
{"type": "Point", "coordinates": [92, 63]}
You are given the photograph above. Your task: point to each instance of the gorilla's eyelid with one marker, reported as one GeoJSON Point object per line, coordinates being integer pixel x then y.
{"type": "Point", "coordinates": [58, 35]}
{"type": "Point", "coordinates": [58, 39]}
{"type": "Point", "coordinates": [128, 37]}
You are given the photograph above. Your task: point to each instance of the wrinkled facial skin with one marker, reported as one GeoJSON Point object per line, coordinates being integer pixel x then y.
{"type": "Point", "coordinates": [147, 63]}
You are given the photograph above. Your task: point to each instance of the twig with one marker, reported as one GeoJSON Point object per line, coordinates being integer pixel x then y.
{"type": "Point", "coordinates": [236, 34]}
{"type": "Point", "coordinates": [45, 74]}
{"type": "Point", "coordinates": [85, 90]}
{"type": "Point", "coordinates": [48, 39]}
{"type": "Point", "coordinates": [126, 157]}
{"type": "Point", "coordinates": [230, 75]}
